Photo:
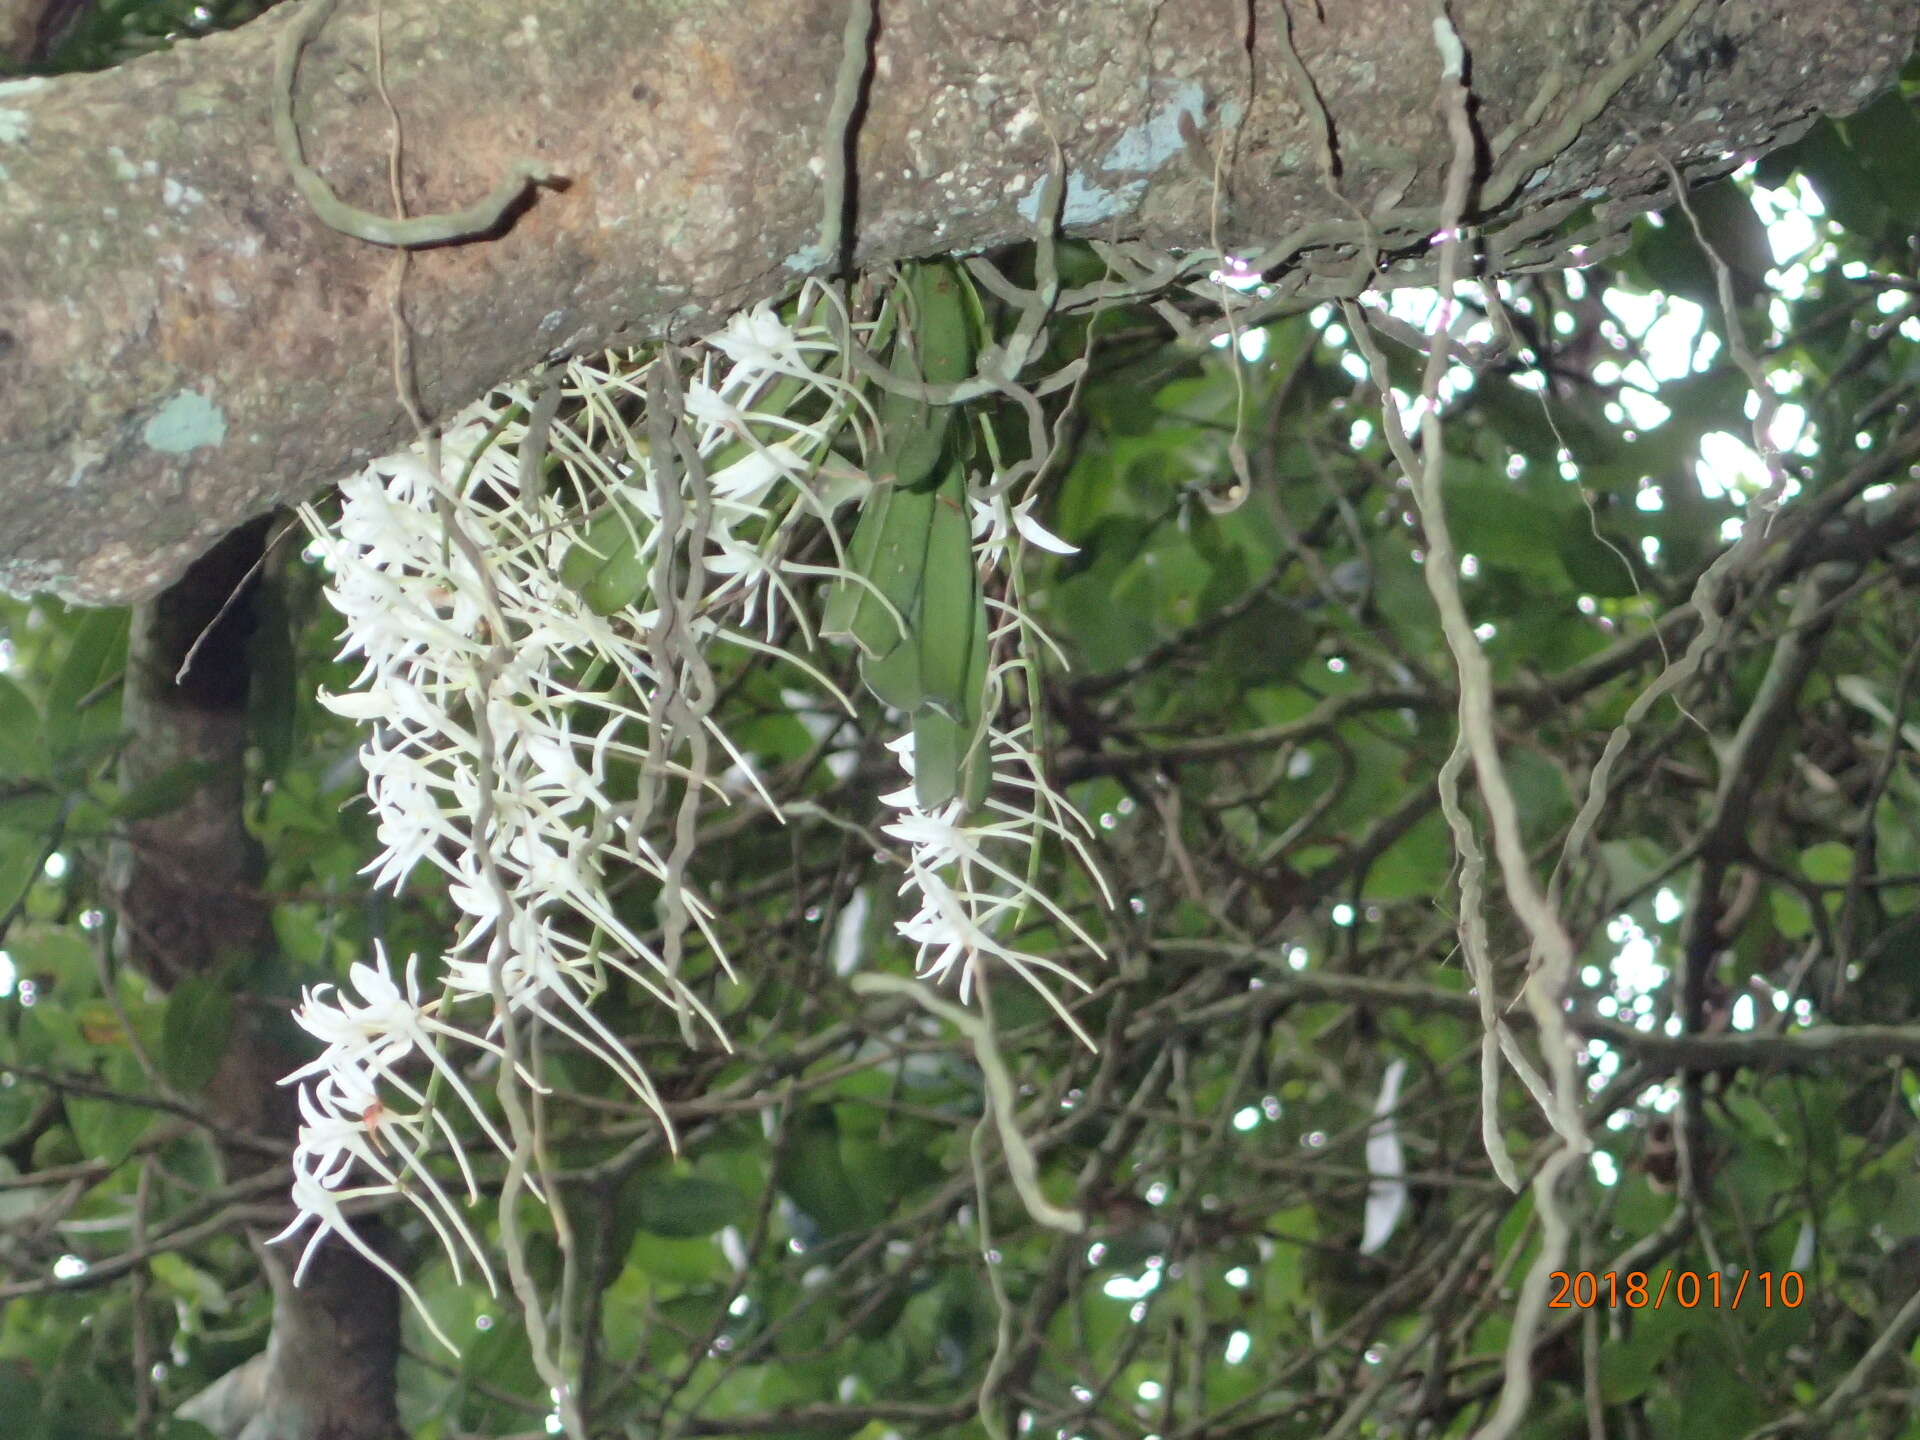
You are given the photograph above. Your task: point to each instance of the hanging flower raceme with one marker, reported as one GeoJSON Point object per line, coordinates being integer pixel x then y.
{"type": "Point", "coordinates": [510, 661]}
{"type": "Point", "coordinates": [968, 867]}
{"type": "Point", "coordinates": [517, 668]}
{"type": "Point", "coordinates": [968, 875]}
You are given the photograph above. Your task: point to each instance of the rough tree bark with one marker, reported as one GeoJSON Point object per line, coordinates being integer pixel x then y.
{"type": "Point", "coordinates": [29, 29]}
{"type": "Point", "coordinates": [182, 344]}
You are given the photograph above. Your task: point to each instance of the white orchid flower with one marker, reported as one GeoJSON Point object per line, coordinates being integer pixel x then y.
{"type": "Point", "coordinates": [474, 689]}
{"type": "Point", "coordinates": [995, 522]}
{"type": "Point", "coordinates": [320, 1204]}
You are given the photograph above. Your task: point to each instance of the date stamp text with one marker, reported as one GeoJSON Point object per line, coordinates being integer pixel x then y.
{"type": "Point", "coordinates": [1688, 1289]}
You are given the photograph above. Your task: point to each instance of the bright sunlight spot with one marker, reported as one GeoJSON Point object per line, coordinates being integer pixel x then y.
{"type": "Point", "coordinates": [1136, 1287]}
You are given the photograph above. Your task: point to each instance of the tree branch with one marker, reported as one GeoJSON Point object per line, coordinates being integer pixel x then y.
{"type": "Point", "coordinates": [185, 344]}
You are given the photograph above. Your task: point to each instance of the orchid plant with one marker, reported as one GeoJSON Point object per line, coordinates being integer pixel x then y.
{"type": "Point", "coordinates": [533, 601]}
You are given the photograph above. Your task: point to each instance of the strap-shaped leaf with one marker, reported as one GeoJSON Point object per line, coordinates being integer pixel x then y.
{"type": "Point", "coordinates": [607, 566]}
{"type": "Point", "coordinates": [912, 603]}
{"type": "Point", "coordinates": [886, 636]}
{"type": "Point", "coordinates": [950, 604]}
{"type": "Point", "coordinates": [839, 622]}
{"type": "Point", "coordinates": [940, 351]}
{"type": "Point", "coordinates": [944, 327]}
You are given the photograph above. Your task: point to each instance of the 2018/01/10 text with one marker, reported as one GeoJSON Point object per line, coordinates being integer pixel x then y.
{"type": "Point", "coordinates": [1689, 1289]}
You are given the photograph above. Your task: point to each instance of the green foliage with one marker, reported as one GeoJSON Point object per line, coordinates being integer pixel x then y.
{"type": "Point", "coordinates": [105, 33]}
{"type": "Point", "coordinates": [1259, 703]}
{"type": "Point", "coordinates": [199, 1018]}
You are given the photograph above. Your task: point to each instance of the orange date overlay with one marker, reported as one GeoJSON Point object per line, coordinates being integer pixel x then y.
{"type": "Point", "coordinates": [1687, 1289]}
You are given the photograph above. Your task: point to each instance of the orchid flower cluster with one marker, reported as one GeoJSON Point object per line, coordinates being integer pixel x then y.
{"type": "Point", "coordinates": [499, 697]}
{"type": "Point", "coordinates": [969, 874]}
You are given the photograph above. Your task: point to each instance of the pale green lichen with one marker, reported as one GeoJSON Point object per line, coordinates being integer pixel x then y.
{"type": "Point", "coordinates": [807, 259]}
{"type": "Point", "coordinates": [1086, 203]}
{"type": "Point", "coordinates": [186, 422]}
{"type": "Point", "coordinates": [1149, 145]}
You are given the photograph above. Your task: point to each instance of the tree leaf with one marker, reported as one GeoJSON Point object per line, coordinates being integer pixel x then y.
{"type": "Point", "coordinates": [21, 1416]}
{"type": "Point", "coordinates": [815, 1177]}
{"type": "Point", "coordinates": [81, 716]}
{"type": "Point", "coordinates": [686, 1207]}
{"type": "Point", "coordinates": [1828, 863]}
{"type": "Point", "coordinates": [189, 1281]}
{"type": "Point", "coordinates": [106, 1129]}
{"type": "Point", "coordinates": [199, 1020]}
{"type": "Point", "coordinates": [23, 748]}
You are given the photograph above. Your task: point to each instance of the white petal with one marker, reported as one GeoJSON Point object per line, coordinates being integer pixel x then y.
{"type": "Point", "coordinates": [1038, 534]}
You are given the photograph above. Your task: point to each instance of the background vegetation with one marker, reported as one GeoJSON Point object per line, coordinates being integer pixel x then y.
{"type": "Point", "coordinates": [1293, 1226]}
